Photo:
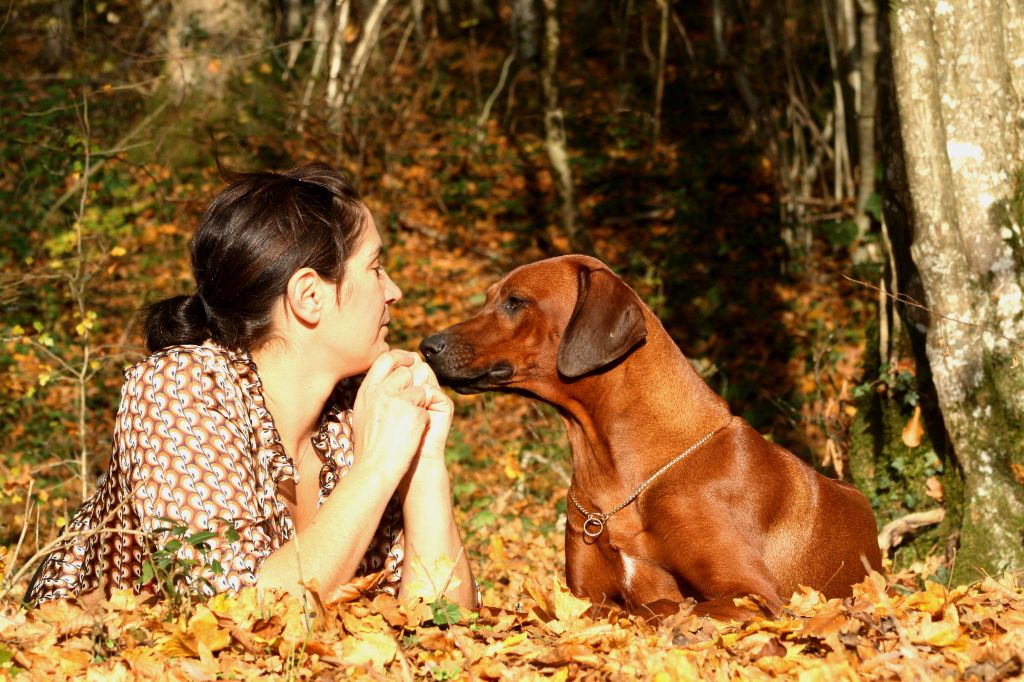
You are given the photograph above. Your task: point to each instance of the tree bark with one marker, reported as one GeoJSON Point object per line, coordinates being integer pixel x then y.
{"type": "Point", "coordinates": [361, 56]}
{"type": "Point", "coordinates": [866, 108]}
{"type": "Point", "coordinates": [659, 87]}
{"type": "Point", "coordinates": [207, 42]}
{"type": "Point", "coordinates": [554, 128]}
{"type": "Point", "coordinates": [958, 70]}
{"type": "Point", "coordinates": [321, 36]}
{"type": "Point", "coordinates": [341, 13]}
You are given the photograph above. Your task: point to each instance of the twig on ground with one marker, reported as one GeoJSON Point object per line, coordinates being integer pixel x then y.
{"type": "Point", "coordinates": [893, 532]}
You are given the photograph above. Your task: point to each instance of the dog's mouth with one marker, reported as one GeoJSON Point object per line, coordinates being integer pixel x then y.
{"type": "Point", "coordinates": [492, 378]}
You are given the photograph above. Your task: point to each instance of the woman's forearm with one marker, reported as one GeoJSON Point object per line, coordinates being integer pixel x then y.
{"type": "Point", "coordinates": [328, 550]}
{"type": "Point", "coordinates": [435, 560]}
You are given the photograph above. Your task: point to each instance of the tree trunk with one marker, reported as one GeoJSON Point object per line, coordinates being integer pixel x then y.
{"type": "Point", "coordinates": [958, 72]}
{"type": "Point", "coordinates": [341, 13]}
{"type": "Point", "coordinates": [207, 44]}
{"type": "Point", "coordinates": [524, 30]}
{"type": "Point", "coordinates": [867, 24]}
{"type": "Point", "coordinates": [321, 37]}
{"type": "Point", "coordinates": [554, 128]}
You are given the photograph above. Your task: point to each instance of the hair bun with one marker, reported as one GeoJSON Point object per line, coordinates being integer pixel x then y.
{"type": "Point", "coordinates": [176, 321]}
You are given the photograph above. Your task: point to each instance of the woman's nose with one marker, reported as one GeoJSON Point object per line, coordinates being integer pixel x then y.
{"type": "Point", "coordinates": [391, 291]}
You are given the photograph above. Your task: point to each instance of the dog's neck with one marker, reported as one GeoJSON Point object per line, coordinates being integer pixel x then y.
{"type": "Point", "coordinates": [616, 444]}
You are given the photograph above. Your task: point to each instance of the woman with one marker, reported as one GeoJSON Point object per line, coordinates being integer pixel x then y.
{"type": "Point", "coordinates": [235, 423]}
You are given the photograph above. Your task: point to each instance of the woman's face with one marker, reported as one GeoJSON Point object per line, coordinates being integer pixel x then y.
{"type": "Point", "coordinates": [357, 316]}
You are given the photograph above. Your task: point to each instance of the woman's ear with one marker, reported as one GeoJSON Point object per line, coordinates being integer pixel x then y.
{"type": "Point", "coordinates": [304, 296]}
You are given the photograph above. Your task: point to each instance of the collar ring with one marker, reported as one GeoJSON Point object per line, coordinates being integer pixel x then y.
{"type": "Point", "coordinates": [593, 526]}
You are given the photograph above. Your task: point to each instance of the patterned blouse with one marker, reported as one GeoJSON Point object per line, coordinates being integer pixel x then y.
{"type": "Point", "coordinates": [195, 444]}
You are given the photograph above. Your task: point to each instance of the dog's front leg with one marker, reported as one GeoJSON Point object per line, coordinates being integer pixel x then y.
{"type": "Point", "coordinates": [589, 574]}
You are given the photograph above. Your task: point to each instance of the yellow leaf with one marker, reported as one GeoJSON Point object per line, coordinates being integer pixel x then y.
{"type": "Point", "coordinates": [118, 251]}
{"type": "Point", "coordinates": [512, 470]}
{"type": "Point", "coordinates": [357, 626]}
{"type": "Point", "coordinates": [496, 552]}
{"type": "Point", "coordinates": [369, 648]}
{"type": "Point", "coordinates": [202, 632]}
{"type": "Point", "coordinates": [568, 606]}
{"type": "Point", "coordinates": [943, 633]}
{"type": "Point", "coordinates": [18, 330]}
{"type": "Point", "coordinates": [145, 662]}
{"type": "Point", "coordinates": [503, 645]}
{"type": "Point", "coordinates": [266, 68]}
{"type": "Point", "coordinates": [118, 673]}
{"type": "Point", "coordinates": [73, 662]}
{"type": "Point", "coordinates": [432, 579]}
{"type": "Point", "coordinates": [931, 600]}
{"type": "Point", "coordinates": [122, 600]}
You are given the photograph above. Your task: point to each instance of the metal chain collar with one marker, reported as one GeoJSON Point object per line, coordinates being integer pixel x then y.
{"type": "Point", "coordinates": [593, 526]}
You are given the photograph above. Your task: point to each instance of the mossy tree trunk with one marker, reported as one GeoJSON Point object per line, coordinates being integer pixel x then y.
{"type": "Point", "coordinates": [209, 42]}
{"type": "Point", "coordinates": [954, 211]}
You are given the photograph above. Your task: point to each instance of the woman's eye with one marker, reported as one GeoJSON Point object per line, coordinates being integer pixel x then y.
{"type": "Point", "coordinates": [379, 269]}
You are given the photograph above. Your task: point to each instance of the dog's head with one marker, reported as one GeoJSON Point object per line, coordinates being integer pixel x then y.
{"type": "Point", "coordinates": [554, 320]}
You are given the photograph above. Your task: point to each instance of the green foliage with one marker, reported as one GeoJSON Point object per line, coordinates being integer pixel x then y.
{"type": "Point", "coordinates": [445, 613]}
{"type": "Point", "coordinates": [839, 233]}
{"type": "Point", "coordinates": [901, 383]}
{"type": "Point", "coordinates": [179, 575]}
{"type": "Point", "coordinates": [7, 662]}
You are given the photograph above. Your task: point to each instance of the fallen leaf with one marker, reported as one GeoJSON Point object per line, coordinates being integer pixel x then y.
{"type": "Point", "coordinates": [568, 607]}
{"type": "Point", "coordinates": [201, 630]}
{"type": "Point", "coordinates": [377, 649]}
{"type": "Point", "coordinates": [913, 432]}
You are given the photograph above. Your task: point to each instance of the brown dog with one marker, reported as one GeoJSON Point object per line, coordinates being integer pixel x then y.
{"type": "Point", "coordinates": [720, 513]}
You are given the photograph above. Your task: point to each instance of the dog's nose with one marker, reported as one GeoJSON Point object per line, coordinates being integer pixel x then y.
{"type": "Point", "coordinates": [434, 345]}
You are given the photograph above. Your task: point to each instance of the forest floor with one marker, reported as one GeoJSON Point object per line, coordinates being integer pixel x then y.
{"type": "Point", "coordinates": [691, 223]}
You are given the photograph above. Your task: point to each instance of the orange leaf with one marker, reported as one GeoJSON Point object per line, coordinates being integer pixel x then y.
{"type": "Point", "coordinates": [913, 431]}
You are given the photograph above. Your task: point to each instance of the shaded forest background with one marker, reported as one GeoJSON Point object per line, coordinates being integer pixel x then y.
{"type": "Point", "coordinates": [719, 155]}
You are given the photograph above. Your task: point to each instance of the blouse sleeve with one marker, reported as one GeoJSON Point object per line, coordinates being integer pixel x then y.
{"type": "Point", "coordinates": [192, 451]}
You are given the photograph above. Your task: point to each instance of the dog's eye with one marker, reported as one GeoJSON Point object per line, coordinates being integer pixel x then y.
{"type": "Point", "coordinates": [513, 303]}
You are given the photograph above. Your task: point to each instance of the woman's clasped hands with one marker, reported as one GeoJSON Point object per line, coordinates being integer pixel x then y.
{"type": "Point", "coordinates": [401, 417]}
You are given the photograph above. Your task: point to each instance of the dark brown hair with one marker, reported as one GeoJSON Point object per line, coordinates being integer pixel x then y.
{"type": "Point", "coordinates": [252, 238]}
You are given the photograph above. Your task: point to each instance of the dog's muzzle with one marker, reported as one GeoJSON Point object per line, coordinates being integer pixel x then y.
{"type": "Point", "coordinates": [451, 360]}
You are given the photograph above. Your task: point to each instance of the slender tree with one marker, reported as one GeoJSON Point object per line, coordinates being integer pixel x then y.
{"type": "Point", "coordinates": [955, 209]}
{"type": "Point", "coordinates": [554, 128]}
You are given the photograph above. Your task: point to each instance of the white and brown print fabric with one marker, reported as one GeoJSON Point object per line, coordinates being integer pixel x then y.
{"type": "Point", "coordinates": [194, 442]}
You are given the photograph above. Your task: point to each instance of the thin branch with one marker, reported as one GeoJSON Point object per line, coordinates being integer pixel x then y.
{"type": "Point", "coordinates": [101, 527]}
{"type": "Point", "coordinates": [123, 142]}
{"type": "Point", "coordinates": [481, 122]}
{"type": "Point", "coordinates": [894, 531]}
{"type": "Point", "coordinates": [659, 89]}
{"type": "Point", "coordinates": [907, 300]}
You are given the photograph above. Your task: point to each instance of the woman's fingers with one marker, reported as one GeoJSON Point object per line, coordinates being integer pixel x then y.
{"type": "Point", "coordinates": [421, 374]}
{"type": "Point", "coordinates": [416, 395]}
{"type": "Point", "coordinates": [436, 399]}
{"type": "Point", "coordinates": [384, 365]}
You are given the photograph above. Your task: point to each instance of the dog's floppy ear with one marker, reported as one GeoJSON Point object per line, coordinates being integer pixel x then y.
{"type": "Point", "coordinates": [606, 323]}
